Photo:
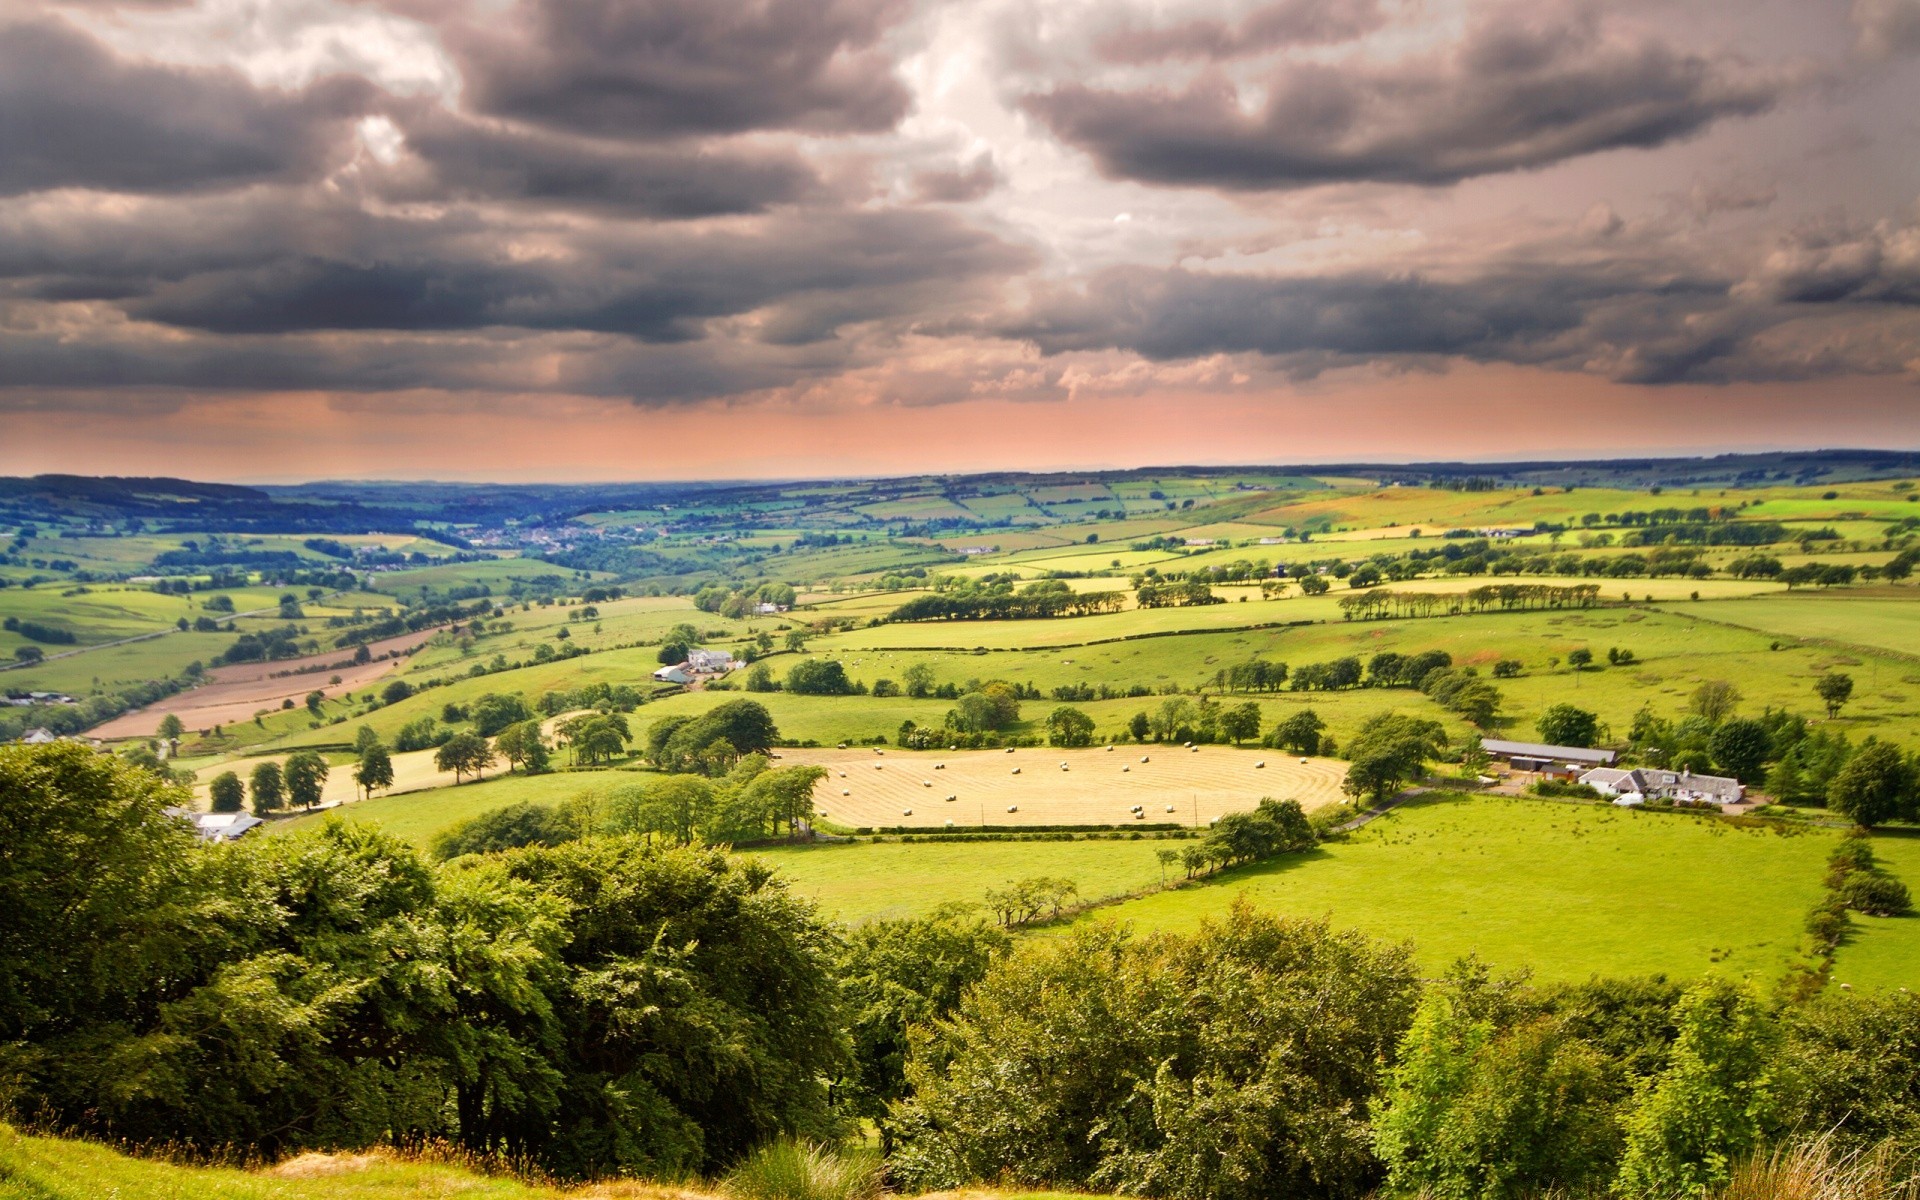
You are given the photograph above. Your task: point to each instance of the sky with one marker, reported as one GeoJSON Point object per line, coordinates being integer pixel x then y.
{"type": "Point", "coordinates": [276, 240]}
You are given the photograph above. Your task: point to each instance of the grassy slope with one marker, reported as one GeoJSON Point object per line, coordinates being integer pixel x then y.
{"type": "Point", "coordinates": [417, 816]}
{"type": "Point", "coordinates": [865, 880]}
{"type": "Point", "coordinates": [1884, 952]}
{"type": "Point", "coordinates": [1569, 891]}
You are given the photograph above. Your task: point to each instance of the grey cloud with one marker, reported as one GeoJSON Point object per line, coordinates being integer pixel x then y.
{"type": "Point", "coordinates": [807, 274]}
{"type": "Point", "coordinates": [1507, 98]}
{"type": "Point", "coordinates": [1887, 27]}
{"type": "Point", "coordinates": [656, 69]}
{"type": "Point", "coordinates": [1632, 325]}
{"type": "Point", "coordinates": [74, 115]}
{"type": "Point", "coordinates": [469, 160]}
{"type": "Point", "coordinates": [1267, 27]}
{"type": "Point", "coordinates": [1830, 265]}
{"type": "Point", "coordinates": [957, 183]}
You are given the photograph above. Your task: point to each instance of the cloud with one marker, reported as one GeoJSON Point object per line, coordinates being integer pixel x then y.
{"type": "Point", "coordinates": [459, 159]}
{"type": "Point", "coordinates": [1887, 28]}
{"type": "Point", "coordinates": [957, 183]}
{"type": "Point", "coordinates": [657, 69]}
{"type": "Point", "coordinates": [1507, 97]}
{"type": "Point", "coordinates": [1835, 264]}
{"type": "Point", "coordinates": [74, 115]}
{"type": "Point", "coordinates": [1266, 27]}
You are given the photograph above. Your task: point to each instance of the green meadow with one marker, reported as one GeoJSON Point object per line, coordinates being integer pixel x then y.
{"type": "Point", "coordinates": [1566, 891]}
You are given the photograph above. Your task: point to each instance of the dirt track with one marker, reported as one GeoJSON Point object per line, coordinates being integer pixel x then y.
{"type": "Point", "coordinates": [235, 693]}
{"type": "Point", "coordinates": [1099, 786]}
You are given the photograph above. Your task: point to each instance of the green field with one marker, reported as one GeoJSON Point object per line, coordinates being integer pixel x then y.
{"type": "Point", "coordinates": [1568, 891]}
{"type": "Point", "coordinates": [1884, 952]}
{"type": "Point", "coordinates": [866, 880]}
{"type": "Point", "coordinates": [417, 816]}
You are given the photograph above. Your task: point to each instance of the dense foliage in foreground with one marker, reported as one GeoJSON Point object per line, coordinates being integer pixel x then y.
{"type": "Point", "coordinates": [615, 1005]}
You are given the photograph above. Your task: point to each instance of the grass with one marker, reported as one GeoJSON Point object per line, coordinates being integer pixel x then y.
{"type": "Point", "coordinates": [1884, 952]}
{"type": "Point", "coordinates": [1568, 891]}
{"type": "Point", "coordinates": [417, 816]}
{"type": "Point", "coordinates": [43, 1168]}
{"type": "Point", "coordinates": [857, 881]}
{"type": "Point", "coordinates": [792, 1170]}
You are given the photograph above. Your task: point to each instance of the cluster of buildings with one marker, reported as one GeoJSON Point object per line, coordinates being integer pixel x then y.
{"type": "Point", "coordinates": [1626, 787]}
{"type": "Point", "coordinates": [699, 663]}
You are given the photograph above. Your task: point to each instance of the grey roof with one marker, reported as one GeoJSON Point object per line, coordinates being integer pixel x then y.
{"type": "Point", "coordinates": [1542, 750]}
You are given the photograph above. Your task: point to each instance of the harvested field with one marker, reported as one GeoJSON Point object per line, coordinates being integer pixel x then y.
{"type": "Point", "coordinates": [235, 693]}
{"type": "Point", "coordinates": [1098, 786]}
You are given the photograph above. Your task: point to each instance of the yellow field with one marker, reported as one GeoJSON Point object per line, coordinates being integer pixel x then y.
{"type": "Point", "coordinates": [1098, 786]}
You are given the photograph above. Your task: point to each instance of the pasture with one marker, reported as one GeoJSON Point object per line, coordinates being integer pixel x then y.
{"type": "Point", "coordinates": [1094, 786]}
{"type": "Point", "coordinates": [1568, 891]}
{"type": "Point", "coordinates": [416, 816]}
{"type": "Point", "coordinates": [859, 881]}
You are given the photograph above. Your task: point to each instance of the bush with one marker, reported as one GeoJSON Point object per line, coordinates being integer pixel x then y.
{"type": "Point", "coordinates": [1875, 894]}
{"type": "Point", "coordinates": [791, 1170]}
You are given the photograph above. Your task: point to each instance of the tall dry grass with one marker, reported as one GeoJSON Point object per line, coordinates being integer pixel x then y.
{"type": "Point", "coordinates": [1815, 1169]}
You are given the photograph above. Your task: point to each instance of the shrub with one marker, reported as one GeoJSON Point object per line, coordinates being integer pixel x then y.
{"type": "Point", "coordinates": [1876, 894]}
{"type": "Point", "coordinates": [792, 1170]}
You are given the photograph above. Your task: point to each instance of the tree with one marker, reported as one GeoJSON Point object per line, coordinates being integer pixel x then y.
{"type": "Point", "coordinates": [316, 699]}
{"type": "Point", "coordinates": [1714, 701]}
{"type": "Point", "coordinates": [1249, 1095]}
{"type": "Point", "coordinates": [1139, 725]}
{"type": "Point", "coordinates": [507, 828]}
{"type": "Point", "coordinates": [918, 680]}
{"type": "Point", "coordinates": [1741, 748]}
{"type": "Point", "coordinates": [818, 677]}
{"type": "Point", "coordinates": [896, 975]}
{"type": "Point", "coordinates": [523, 745]}
{"type": "Point", "coordinates": [269, 788]}
{"type": "Point", "coordinates": [1834, 690]}
{"type": "Point", "coordinates": [464, 753]}
{"type": "Point", "coordinates": [492, 713]}
{"type": "Point", "coordinates": [1717, 1099]}
{"type": "Point", "coordinates": [1299, 733]}
{"type": "Point", "coordinates": [1389, 751]}
{"type": "Point", "coordinates": [365, 739]}
{"type": "Point", "coordinates": [1874, 787]}
{"type": "Point", "coordinates": [760, 679]}
{"type": "Point", "coordinates": [1565, 725]}
{"type": "Point", "coordinates": [1069, 727]}
{"type": "Point", "coordinates": [395, 692]}
{"type": "Point", "coordinates": [1241, 722]}
{"type": "Point", "coordinates": [226, 793]}
{"type": "Point", "coordinates": [374, 770]}
{"type": "Point", "coordinates": [1580, 659]}
{"type": "Point", "coordinates": [171, 727]}
{"type": "Point", "coordinates": [305, 772]}
{"type": "Point", "coordinates": [1470, 1111]}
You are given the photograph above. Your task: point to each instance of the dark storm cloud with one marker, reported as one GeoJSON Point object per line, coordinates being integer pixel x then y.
{"type": "Point", "coordinates": [1269, 27]}
{"type": "Point", "coordinates": [74, 115]}
{"type": "Point", "coordinates": [1631, 326]}
{"type": "Point", "coordinates": [806, 273]}
{"type": "Point", "coordinates": [653, 69]}
{"type": "Point", "coordinates": [1507, 98]}
{"type": "Point", "coordinates": [468, 160]}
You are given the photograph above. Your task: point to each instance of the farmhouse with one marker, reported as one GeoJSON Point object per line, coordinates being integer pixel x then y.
{"type": "Point", "coordinates": [1536, 756]}
{"type": "Point", "coordinates": [1650, 784]}
{"type": "Point", "coordinates": [216, 827]}
{"type": "Point", "coordinates": [708, 662]}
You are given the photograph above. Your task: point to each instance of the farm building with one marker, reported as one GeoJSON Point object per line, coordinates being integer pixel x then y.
{"type": "Point", "coordinates": [708, 662]}
{"type": "Point", "coordinates": [1650, 784]}
{"type": "Point", "coordinates": [39, 737]}
{"type": "Point", "coordinates": [1535, 756]}
{"type": "Point", "coordinates": [676, 673]}
{"type": "Point", "coordinates": [217, 827]}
